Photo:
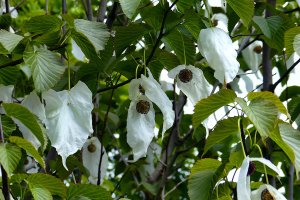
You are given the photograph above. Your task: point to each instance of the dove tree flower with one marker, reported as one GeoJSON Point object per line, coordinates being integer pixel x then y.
{"type": "Point", "coordinates": [191, 81]}
{"type": "Point", "coordinates": [253, 55]}
{"type": "Point", "coordinates": [91, 154]}
{"type": "Point", "coordinates": [217, 48]}
{"type": "Point", "coordinates": [141, 114]}
{"type": "Point", "coordinates": [243, 184]}
{"type": "Point", "coordinates": [266, 192]}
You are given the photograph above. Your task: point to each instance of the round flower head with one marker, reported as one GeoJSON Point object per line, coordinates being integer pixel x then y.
{"type": "Point", "coordinates": [91, 153]}
{"type": "Point", "coordinates": [243, 184]}
{"type": "Point", "coordinates": [141, 115]}
{"type": "Point", "coordinates": [191, 81]}
{"type": "Point", "coordinates": [217, 48]}
{"type": "Point", "coordinates": [252, 55]}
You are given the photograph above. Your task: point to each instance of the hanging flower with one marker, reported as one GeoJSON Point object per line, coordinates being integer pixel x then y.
{"type": "Point", "coordinates": [220, 20]}
{"type": "Point", "coordinates": [217, 48]}
{"type": "Point", "coordinates": [247, 168]}
{"type": "Point", "coordinates": [91, 154]}
{"type": "Point", "coordinates": [191, 81]}
{"type": "Point", "coordinates": [141, 115]}
{"type": "Point", "coordinates": [253, 55]}
{"type": "Point", "coordinates": [267, 192]}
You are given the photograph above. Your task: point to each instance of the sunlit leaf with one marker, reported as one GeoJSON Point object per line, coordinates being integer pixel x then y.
{"type": "Point", "coordinates": [91, 192]}
{"type": "Point", "coordinates": [8, 41]}
{"type": "Point", "coordinates": [10, 156]}
{"type": "Point", "coordinates": [290, 39]}
{"type": "Point", "coordinates": [243, 8]}
{"type": "Point", "coordinates": [43, 24]}
{"type": "Point", "coordinates": [40, 194]}
{"type": "Point", "coordinates": [129, 7]}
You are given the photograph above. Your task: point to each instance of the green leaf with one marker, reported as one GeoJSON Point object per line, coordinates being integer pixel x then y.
{"type": "Point", "coordinates": [193, 23]}
{"type": "Point", "coordinates": [289, 92]}
{"type": "Point", "coordinates": [9, 75]}
{"type": "Point", "coordinates": [96, 32]}
{"type": "Point", "coordinates": [202, 179]}
{"type": "Point", "coordinates": [28, 147]}
{"type": "Point", "coordinates": [288, 139]}
{"type": "Point", "coordinates": [205, 107]}
{"type": "Point", "coordinates": [183, 46]}
{"type": "Point", "coordinates": [125, 36]}
{"type": "Point", "coordinates": [43, 24]}
{"type": "Point", "coordinates": [263, 25]}
{"type": "Point", "coordinates": [8, 125]}
{"type": "Point", "coordinates": [224, 129]}
{"type": "Point", "coordinates": [243, 8]}
{"type": "Point", "coordinates": [91, 192]}
{"type": "Point", "coordinates": [289, 38]}
{"type": "Point", "coordinates": [262, 113]}
{"type": "Point", "coordinates": [296, 44]}
{"type": "Point", "coordinates": [48, 182]}
{"type": "Point", "coordinates": [129, 7]}
{"type": "Point", "coordinates": [8, 41]}
{"type": "Point", "coordinates": [269, 96]}
{"type": "Point", "coordinates": [294, 107]}
{"type": "Point", "coordinates": [23, 115]}
{"type": "Point", "coordinates": [10, 156]}
{"type": "Point", "coordinates": [41, 194]}
{"type": "Point", "coordinates": [45, 66]}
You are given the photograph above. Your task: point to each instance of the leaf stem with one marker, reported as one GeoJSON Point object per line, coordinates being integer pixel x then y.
{"type": "Point", "coordinates": [243, 142]}
{"type": "Point", "coordinates": [261, 154]}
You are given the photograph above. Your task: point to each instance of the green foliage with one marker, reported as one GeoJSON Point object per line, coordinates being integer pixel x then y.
{"type": "Point", "coordinates": [129, 7]}
{"type": "Point", "coordinates": [10, 156]}
{"type": "Point", "coordinates": [91, 192]}
{"type": "Point", "coordinates": [8, 41]}
{"type": "Point", "coordinates": [244, 9]}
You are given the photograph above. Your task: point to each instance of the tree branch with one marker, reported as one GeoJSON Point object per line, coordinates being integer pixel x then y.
{"type": "Point", "coordinates": [112, 15]}
{"type": "Point", "coordinates": [101, 11]}
{"type": "Point", "coordinates": [6, 6]}
{"type": "Point", "coordinates": [89, 10]}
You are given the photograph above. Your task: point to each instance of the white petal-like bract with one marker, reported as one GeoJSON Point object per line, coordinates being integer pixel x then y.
{"type": "Point", "coordinates": [257, 194]}
{"type": "Point", "coordinates": [252, 55]}
{"type": "Point", "coordinates": [217, 48]}
{"type": "Point", "coordinates": [69, 118]}
{"type": "Point", "coordinates": [140, 129]}
{"type": "Point", "coordinates": [197, 88]}
{"type": "Point", "coordinates": [155, 93]}
{"type": "Point", "coordinates": [91, 159]}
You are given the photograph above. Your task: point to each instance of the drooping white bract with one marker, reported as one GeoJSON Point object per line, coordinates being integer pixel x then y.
{"type": "Point", "coordinates": [257, 194]}
{"type": "Point", "coordinates": [243, 184]}
{"type": "Point", "coordinates": [220, 21]}
{"type": "Point", "coordinates": [69, 118]}
{"type": "Point", "coordinates": [252, 55]}
{"type": "Point", "coordinates": [141, 121]}
{"type": "Point", "coordinates": [196, 88]}
{"type": "Point", "coordinates": [91, 153]}
{"type": "Point", "coordinates": [33, 103]}
{"type": "Point", "coordinates": [217, 48]}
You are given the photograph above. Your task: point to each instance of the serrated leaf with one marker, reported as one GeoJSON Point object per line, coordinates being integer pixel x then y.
{"type": "Point", "coordinates": [10, 156]}
{"type": "Point", "coordinates": [9, 41]}
{"type": "Point", "coordinates": [45, 66]}
{"type": "Point", "coordinates": [262, 113]}
{"type": "Point", "coordinates": [9, 75]}
{"type": "Point", "coordinates": [183, 46]}
{"type": "Point", "coordinates": [202, 179]}
{"type": "Point", "coordinates": [8, 125]}
{"type": "Point", "coordinates": [269, 96]}
{"type": "Point", "coordinates": [289, 37]}
{"type": "Point", "coordinates": [48, 182]}
{"type": "Point", "coordinates": [224, 129]}
{"type": "Point", "coordinates": [205, 107]}
{"type": "Point", "coordinates": [263, 25]}
{"type": "Point", "coordinates": [43, 24]}
{"type": "Point", "coordinates": [96, 32]}
{"type": "Point", "coordinates": [28, 147]}
{"type": "Point", "coordinates": [288, 139]}
{"type": "Point", "coordinates": [296, 44]}
{"type": "Point", "coordinates": [91, 192]}
{"type": "Point", "coordinates": [289, 92]}
{"type": "Point", "coordinates": [41, 194]}
{"type": "Point", "coordinates": [129, 7]}
{"type": "Point", "coordinates": [69, 119]}
{"type": "Point", "coordinates": [125, 36]}
{"type": "Point", "coordinates": [21, 114]}
{"type": "Point", "coordinates": [243, 8]}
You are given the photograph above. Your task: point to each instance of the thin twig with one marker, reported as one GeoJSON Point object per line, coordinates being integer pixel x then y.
{"type": "Point", "coordinates": [17, 6]}
{"type": "Point", "coordinates": [114, 86]}
{"type": "Point", "coordinates": [175, 187]}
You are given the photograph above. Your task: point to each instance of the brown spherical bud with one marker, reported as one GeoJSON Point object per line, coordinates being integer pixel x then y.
{"type": "Point", "coordinates": [266, 195]}
{"type": "Point", "coordinates": [143, 107]}
{"type": "Point", "coordinates": [215, 22]}
{"type": "Point", "coordinates": [251, 169]}
{"type": "Point", "coordinates": [257, 49]}
{"type": "Point", "coordinates": [185, 75]}
{"type": "Point", "coordinates": [91, 148]}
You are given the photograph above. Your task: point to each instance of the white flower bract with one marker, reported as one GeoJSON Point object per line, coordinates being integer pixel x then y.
{"type": "Point", "coordinates": [217, 48]}
{"type": "Point", "coordinates": [243, 184]}
{"type": "Point", "coordinates": [197, 88]}
{"type": "Point", "coordinates": [91, 160]}
{"type": "Point", "coordinates": [252, 58]}
{"type": "Point", "coordinates": [140, 126]}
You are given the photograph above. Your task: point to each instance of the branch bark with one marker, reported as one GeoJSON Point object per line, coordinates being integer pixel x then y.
{"type": "Point", "coordinates": [101, 11]}
{"type": "Point", "coordinates": [89, 10]}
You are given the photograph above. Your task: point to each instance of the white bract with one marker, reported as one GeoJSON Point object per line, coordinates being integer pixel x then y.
{"type": "Point", "coordinates": [217, 48]}
{"type": "Point", "coordinates": [69, 118]}
{"type": "Point", "coordinates": [253, 55]}
{"type": "Point", "coordinates": [191, 81]}
{"type": "Point", "coordinates": [243, 184]}
{"type": "Point", "coordinates": [266, 190]}
{"type": "Point", "coordinates": [91, 154]}
{"type": "Point", "coordinates": [220, 21]}
{"type": "Point", "coordinates": [141, 115]}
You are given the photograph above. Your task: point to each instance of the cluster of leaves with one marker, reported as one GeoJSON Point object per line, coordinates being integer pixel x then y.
{"type": "Point", "coordinates": [50, 52]}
